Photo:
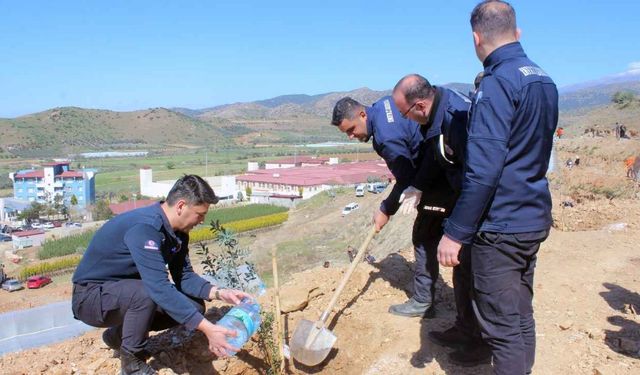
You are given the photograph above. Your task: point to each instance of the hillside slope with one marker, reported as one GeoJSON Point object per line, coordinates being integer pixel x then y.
{"type": "Point", "coordinates": [73, 129]}
{"type": "Point", "coordinates": [601, 118]}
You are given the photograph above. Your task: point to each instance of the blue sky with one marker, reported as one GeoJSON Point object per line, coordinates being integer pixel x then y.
{"type": "Point", "coordinates": [129, 55]}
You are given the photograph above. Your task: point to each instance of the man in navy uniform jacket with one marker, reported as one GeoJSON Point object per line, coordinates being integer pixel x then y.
{"type": "Point", "coordinates": [504, 209]}
{"type": "Point", "coordinates": [136, 276]}
{"type": "Point", "coordinates": [443, 116]}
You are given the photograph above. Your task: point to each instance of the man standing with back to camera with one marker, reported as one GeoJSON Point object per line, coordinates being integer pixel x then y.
{"type": "Point", "coordinates": [504, 210]}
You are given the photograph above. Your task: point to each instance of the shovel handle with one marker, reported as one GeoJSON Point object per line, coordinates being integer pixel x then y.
{"type": "Point", "coordinates": [278, 319]}
{"type": "Point", "coordinates": [345, 278]}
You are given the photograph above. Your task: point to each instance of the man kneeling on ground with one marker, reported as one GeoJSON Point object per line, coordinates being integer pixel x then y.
{"type": "Point", "coordinates": [136, 276]}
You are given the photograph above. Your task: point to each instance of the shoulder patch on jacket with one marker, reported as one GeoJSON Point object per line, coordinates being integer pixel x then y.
{"type": "Point", "coordinates": [532, 70]}
{"type": "Point", "coordinates": [388, 111]}
{"type": "Point", "coordinates": [151, 245]}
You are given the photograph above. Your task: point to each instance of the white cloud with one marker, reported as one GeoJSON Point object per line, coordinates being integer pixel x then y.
{"type": "Point", "coordinates": [634, 65]}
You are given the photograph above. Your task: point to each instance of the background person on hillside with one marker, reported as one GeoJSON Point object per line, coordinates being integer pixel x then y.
{"type": "Point", "coordinates": [504, 209]}
{"type": "Point", "coordinates": [443, 116]}
{"type": "Point", "coordinates": [399, 142]}
{"type": "Point", "coordinates": [136, 276]}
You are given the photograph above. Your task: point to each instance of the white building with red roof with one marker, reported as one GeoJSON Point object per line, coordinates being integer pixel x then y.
{"type": "Point", "coordinates": [298, 161]}
{"type": "Point", "coordinates": [270, 185]}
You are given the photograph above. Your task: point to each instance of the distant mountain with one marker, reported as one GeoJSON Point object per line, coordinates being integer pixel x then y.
{"type": "Point", "coordinates": [286, 119]}
{"type": "Point", "coordinates": [300, 105]}
{"type": "Point", "coordinates": [598, 92]}
{"type": "Point", "coordinates": [187, 111]}
{"type": "Point", "coordinates": [594, 96]}
{"type": "Point", "coordinates": [300, 99]}
{"type": "Point", "coordinates": [629, 76]}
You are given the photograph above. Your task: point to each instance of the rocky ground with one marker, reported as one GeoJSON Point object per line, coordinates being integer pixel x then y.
{"type": "Point", "coordinates": [586, 301]}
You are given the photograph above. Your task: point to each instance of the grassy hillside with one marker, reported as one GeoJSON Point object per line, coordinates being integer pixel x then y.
{"type": "Point", "coordinates": [61, 131]}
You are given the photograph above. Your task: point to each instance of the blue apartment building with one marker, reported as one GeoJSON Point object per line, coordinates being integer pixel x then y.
{"type": "Point", "coordinates": [43, 185]}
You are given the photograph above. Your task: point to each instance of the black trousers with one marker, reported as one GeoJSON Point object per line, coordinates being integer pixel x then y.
{"type": "Point", "coordinates": [463, 291]}
{"type": "Point", "coordinates": [124, 304]}
{"type": "Point", "coordinates": [503, 267]}
{"type": "Point", "coordinates": [427, 231]}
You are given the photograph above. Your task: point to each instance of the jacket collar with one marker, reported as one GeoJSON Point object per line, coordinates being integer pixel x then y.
{"type": "Point", "coordinates": [370, 114]}
{"type": "Point", "coordinates": [504, 52]}
{"type": "Point", "coordinates": [165, 221]}
{"type": "Point", "coordinates": [436, 115]}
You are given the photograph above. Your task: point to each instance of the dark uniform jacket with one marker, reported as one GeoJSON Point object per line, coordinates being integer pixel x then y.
{"type": "Point", "coordinates": [512, 122]}
{"type": "Point", "coordinates": [411, 150]}
{"type": "Point", "coordinates": [445, 134]}
{"type": "Point", "coordinates": [140, 244]}
{"type": "Point", "coordinates": [398, 141]}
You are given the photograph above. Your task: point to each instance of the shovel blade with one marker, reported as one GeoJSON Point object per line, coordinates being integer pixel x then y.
{"type": "Point", "coordinates": [311, 343]}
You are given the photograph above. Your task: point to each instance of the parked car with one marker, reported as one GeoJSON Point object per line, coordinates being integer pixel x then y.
{"type": "Point", "coordinates": [35, 282]}
{"type": "Point", "coordinates": [380, 188]}
{"type": "Point", "coordinates": [57, 224]}
{"type": "Point", "coordinates": [376, 187]}
{"type": "Point", "coordinates": [71, 224]}
{"type": "Point", "coordinates": [48, 226]}
{"type": "Point", "coordinates": [350, 208]}
{"type": "Point", "coordinates": [5, 238]}
{"type": "Point", "coordinates": [37, 225]}
{"type": "Point", "coordinates": [359, 191]}
{"type": "Point", "coordinates": [12, 285]}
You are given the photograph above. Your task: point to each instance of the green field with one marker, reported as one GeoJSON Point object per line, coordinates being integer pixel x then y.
{"type": "Point", "coordinates": [226, 215]}
{"type": "Point", "coordinates": [117, 176]}
{"type": "Point", "coordinates": [76, 243]}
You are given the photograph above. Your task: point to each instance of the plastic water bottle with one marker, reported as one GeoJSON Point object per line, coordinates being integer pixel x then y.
{"type": "Point", "coordinates": [244, 319]}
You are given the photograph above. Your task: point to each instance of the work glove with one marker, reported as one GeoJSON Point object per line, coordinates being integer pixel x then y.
{"type": "Point", "coordinates": [409, 200]}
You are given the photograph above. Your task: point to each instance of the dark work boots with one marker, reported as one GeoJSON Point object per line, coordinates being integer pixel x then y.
{"type": "Point", "coordinates": [111, 336]}
{"type": "Point", "coordinates": [113, 339]}
{"type": "Point", "coordinates": [451, 338]}
{"type": "Point", "coordinates": [132, 364]}
{"type": "Point", "coordinates": [413, 308]}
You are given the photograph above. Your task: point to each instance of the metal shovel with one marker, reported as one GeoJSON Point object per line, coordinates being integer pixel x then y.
{"type": "Point", "coordinates": [312, 341]}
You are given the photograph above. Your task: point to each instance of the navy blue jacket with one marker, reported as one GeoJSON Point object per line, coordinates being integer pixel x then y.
{"type": "Point", "coordinates": [513, 118]}
{"type": "Point", "coordinates": [398, 142]}
{"type": "Point", "coordinates": [407, 147]}
{"type": "Point", "coordinates": [445, 135]}
{"type": "Point", "coordinates": [140, 244]}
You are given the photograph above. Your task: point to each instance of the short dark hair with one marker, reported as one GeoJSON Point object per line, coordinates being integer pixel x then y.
{"type": "Point", "coordinates": [493, 18]}
{"type": "Point", "coordinates": [415, 87]}
{"type": "Point", "coordinates": [345, 108]}
{"type": "Point", "coordinates": [193, 189]}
